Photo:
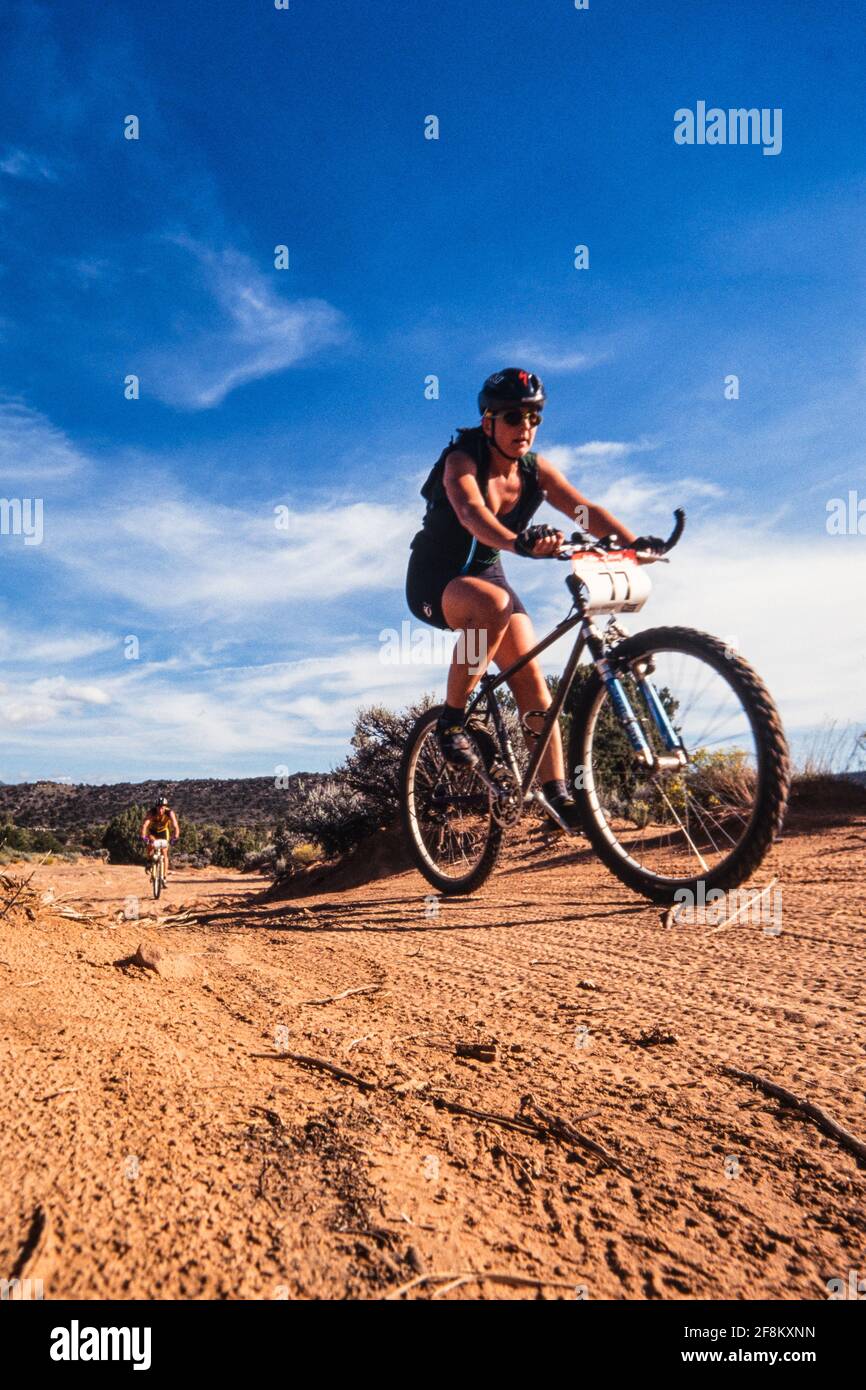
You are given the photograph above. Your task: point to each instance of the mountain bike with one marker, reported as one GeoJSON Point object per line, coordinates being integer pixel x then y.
{"type": "Point", "coordinates": [157, 866]}
{"type": "Point", "coordinates": [676, 756]}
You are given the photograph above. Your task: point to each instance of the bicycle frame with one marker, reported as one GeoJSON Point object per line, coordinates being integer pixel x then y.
{"type": "Point", "coordinates": [588, 636]}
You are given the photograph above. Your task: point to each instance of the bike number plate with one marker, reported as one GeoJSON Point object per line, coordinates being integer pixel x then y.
{"type": "Point", "coordinates": [613, 583]}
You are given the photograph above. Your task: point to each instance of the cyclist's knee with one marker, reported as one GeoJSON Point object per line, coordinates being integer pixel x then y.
{"type": "Point", "coordinates": [493, 611]}
{"type": "Point", "coordinates": [479, 612]}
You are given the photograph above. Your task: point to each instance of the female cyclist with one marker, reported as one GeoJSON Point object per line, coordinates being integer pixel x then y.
{"type": "Point", "coordinates": [481, 495]}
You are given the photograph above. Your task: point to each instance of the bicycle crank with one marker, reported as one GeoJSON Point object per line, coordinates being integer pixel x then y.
{"type": "Point", "coordinates": [506, 797]}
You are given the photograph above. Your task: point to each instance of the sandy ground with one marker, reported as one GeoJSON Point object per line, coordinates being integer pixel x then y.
{"type": "Point", "coordinates": [157, 1141]}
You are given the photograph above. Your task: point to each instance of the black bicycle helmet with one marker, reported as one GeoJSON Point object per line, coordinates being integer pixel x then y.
{"type": "Point", "coordinates": [161, 800]}
{"type": "Point", "coordinates": [511, 387]}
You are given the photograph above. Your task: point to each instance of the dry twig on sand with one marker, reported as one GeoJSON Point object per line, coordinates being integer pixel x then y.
{"type": "Point", "coordinates": [22, 884]}
{"type": "Point", "coordinates": [561, 1129]}
{"type": "Point", "coordinates": [332, 998]}
{"type": "Point", "coordinates": [469, 1276]}
{"type": "Point", "coordinates": [749, 898]}
{"type": "Point", "coordinates": [320, 1065]}
{"type": "Point", "coordinates": [508, 1121]}
{"type": "Point", "coordinates": [805, 1107]}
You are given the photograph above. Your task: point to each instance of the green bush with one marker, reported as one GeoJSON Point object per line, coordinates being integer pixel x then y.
{"type": "Point", "coordinates": [24, 839]}
{"type": "Point", "coordinates": [189, 838]}
{"type": "Point", "coordinates": [233, 847]}
{"type": "Point", "coordinates": [332, 813]}
{"type": "Point", "coordinates": [371, 769]}
{"type": "Point", "coordinates": [122, 837]}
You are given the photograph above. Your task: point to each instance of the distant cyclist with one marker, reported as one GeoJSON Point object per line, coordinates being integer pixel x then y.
{"type": "Point", "coordinates": [481, 495]}
{"type": "Point", "coordinates": [161, 823]}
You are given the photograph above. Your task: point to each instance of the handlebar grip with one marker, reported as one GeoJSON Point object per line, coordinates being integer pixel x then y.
{"type": "Point", "coordinates": [675, 534]}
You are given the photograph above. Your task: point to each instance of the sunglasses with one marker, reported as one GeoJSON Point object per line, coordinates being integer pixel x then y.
{"type": "Point", "coordinates": [516, 417]}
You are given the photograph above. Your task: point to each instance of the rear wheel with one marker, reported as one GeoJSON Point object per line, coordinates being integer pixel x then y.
{"type": "Point", "coordinates": [710, 822]}
{"type": "Point", "coordinates": [446, 812]}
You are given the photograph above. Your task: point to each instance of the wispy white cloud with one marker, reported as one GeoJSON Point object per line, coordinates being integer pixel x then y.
{"type": "Point", "coordinates": [542, 357]}
{"type": "Point", "coordinates": [286, 713]}
{"type": "Point", "coordinates": [47, 699]}
{"type": "Point", "coordinates": [223, 561]}
{"type": "Point", "coordinates": [31, 448]}
{"type": "Point", "coordinates": [63, 690]}
{"type": "Point", "coordinates": [595, 451]}
{"type": "Point", "coordinates": [258, 332]}
{"type": "Point", "coordinates": [22, 645]}
{"type": "Point", "coordinates": [638, 498]}
{"type": "Point", "coordinates": [23, 164]}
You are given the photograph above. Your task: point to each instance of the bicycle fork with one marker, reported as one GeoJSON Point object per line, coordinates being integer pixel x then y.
{"type": "Point", "coordinates": [676, 755]}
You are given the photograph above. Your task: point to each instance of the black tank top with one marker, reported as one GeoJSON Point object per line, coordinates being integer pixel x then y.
{"type": "Point", "coordinates": [442, 537]}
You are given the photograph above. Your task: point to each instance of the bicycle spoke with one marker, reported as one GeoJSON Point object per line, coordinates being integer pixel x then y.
{"type": "Point", "coordinates": [452, 812]}
{"type": "Point", "coordinates": [670, 822]}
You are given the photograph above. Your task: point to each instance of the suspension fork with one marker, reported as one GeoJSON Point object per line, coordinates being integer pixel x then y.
{"type": "Point", "coordinates": [676, 756]}
{"type": "Point", "coordinates": [618, 697]}
{"type": "Point", "coordinates": [656, 709]}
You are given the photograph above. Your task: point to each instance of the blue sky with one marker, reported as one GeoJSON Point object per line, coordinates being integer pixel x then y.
{"type": "Point", "coordinates": [408, 257]}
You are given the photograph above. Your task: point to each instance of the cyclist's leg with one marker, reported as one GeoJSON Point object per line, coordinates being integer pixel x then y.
{"type": "Point", "coordinates": [529, 688]}
{"type": "Point", "coordinates": [480, 613]}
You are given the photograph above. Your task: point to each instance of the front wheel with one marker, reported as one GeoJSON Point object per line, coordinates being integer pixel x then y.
{"type": "Point", "coordinates": [156, 875]}
{"type": "Point", "coordinates": [710, 821]}
{"type": "Point", "coordinates": [446, 813]}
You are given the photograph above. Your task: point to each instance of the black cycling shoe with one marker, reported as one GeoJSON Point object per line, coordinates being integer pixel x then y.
{"type": "Point", "coordinates": [457, 748]}
{"type": "Point", "coordinates": [569, 810]}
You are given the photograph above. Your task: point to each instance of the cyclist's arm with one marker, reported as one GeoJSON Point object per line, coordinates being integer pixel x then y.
{"type": "Point", "coordinates": [565, 498]}
{"type": "Point", "coordinates": [174, 825]}
{"type": "Point", "coordinates": [461, 485]}
{"type": "Point", "coordinates": [145, 829]}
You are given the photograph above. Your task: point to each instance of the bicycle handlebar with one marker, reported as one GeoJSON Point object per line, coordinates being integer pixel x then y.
{"type": "Point", "coordinates": [679, 527]}
{"type": "Point", "coordinates": [582, 542]}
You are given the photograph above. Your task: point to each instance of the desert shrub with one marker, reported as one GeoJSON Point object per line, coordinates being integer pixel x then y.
{"type": "Point", "coordinates": [259, 861]}
{"type": "Point", "coordinates": [831, 749]}
{"type": "Point", "coordinates": [332, 813]}
{"type": "Point", "coordinates": [279, 860]}
{"type": "Point", "coordinates": [92, 837]}
{"type": "Point", "coordinates": [722, 779]}
{"type": "Point", "coordinates": [307, 853]}
{"type": "Point", "coordinates": [232, 848]}
{"type": "Point", "coordinates": [189, 838]}
{"type": "Point", "coordinates": [122, 837]}
{"type": "Point", "coordinates": [42, 841]}
{"type": "Point", "coordinates": [372, 767]}
{"type": "Point", "coordinates": [24, 838]}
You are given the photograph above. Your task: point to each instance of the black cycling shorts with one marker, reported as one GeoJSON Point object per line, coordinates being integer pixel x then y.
{"type": "Point", "coordinates": [426, 582]}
